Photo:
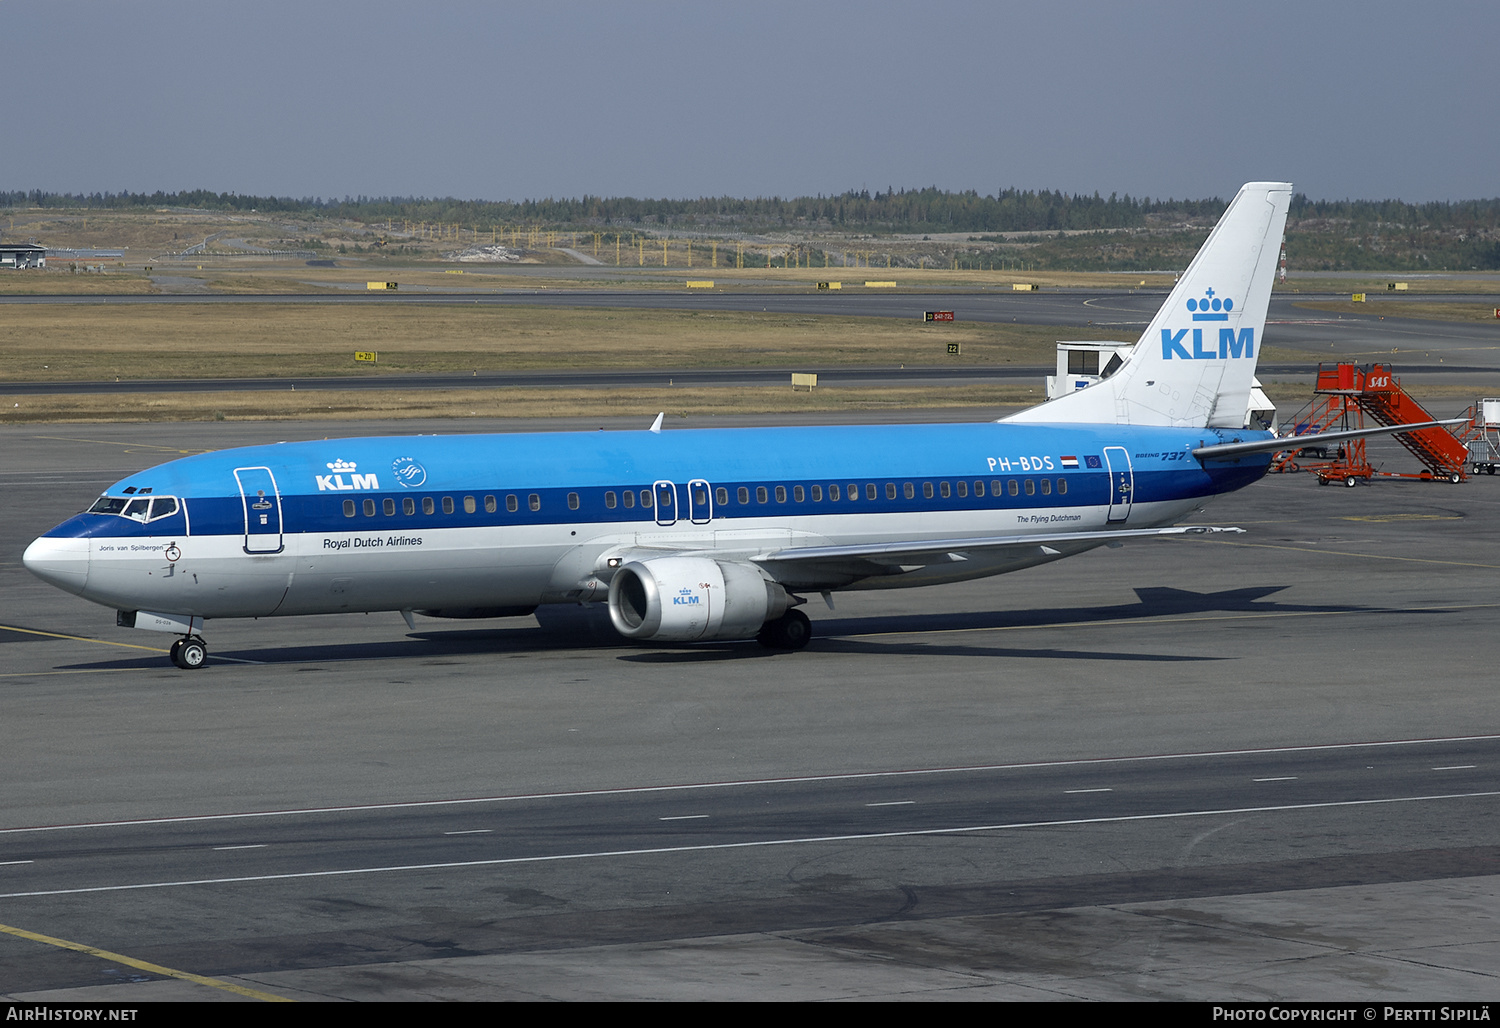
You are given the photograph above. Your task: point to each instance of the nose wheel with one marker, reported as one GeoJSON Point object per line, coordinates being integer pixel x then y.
{"type": "Point", "coordinates": [190, 653]}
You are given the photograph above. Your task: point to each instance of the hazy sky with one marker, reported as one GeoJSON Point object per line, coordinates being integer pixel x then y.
{"type": "Point", "coordinates": [503, 101]}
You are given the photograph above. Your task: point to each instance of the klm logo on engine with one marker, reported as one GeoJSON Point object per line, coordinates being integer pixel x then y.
{"type": "Point", "coordinates": [335, 481]}
{"type": "Point", "coordinates": [1230, 344]}
{"type": "Point", "coordinates": [686, 598]}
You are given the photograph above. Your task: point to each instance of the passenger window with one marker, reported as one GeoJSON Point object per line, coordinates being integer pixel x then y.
{"type": "Point", "coordinates": [348, 508]}
{"type": "Point", "coordinates": [427, 505]}
{"type": "Point", "coordinates": [1046, 487]}
{"type": "Point", "coordinates": [761, 496]}
{"type": "Point", "coordinates": [870, 490]}
{"type": "Point", "coordinates": [447, 505]}
{"type": "Point", "coordinates": [469, 505]}
{"type": "Point", "coordinates": [490, 506]}
{"type": "Point", "coordinates": [369, 508]}
{"type": "Point", "coordinates": [817, 494]}
{"type": "Point", "coordinates": [389, 505]}
{"type": "Point", "coordinates": [511, 503]}
{"type": "Point", "coordinates": [629, 498]}
{"type": "Point", "coordinates": [700, 496]}
{"type": "Point", "coordinates": [645, 497]}
{"type": "Point", "coordinates": [963, 489]}
{"type": "Point", "coordinates": [944, 490]}
{"type": "Point", "coordinates": [610, 499]}
{"type": "Point", "coordinates": [742, 494]}
{"type": "Point", "coordinates": [1013, 487]}
{"type": "Point", "coordinates": [721, 496]}
{"type": "Point", "coordinates": [408, 506]}
{"type": "Point", "coordinates": [664, 497]}
{"type": "Point", "coordinates": [798, 494]}
{"type": "Point", "coordinates": [909, 491]}
{"type": "Point", "coordinates": [890, 490]}
{"type": "Point", "coordinates": [781, 494]}
{"type": "Point", "coordinates": [979, 488]}
{"type": "Point", "coordinates": [1030, 487]}
{"type": "Point", "coordinates": [572, 501]}
{"type": "Point", "coordinates": [833, 493]}
{"type": "Point", "coordinates": [995, 487]}
{"type": "Point", "coordinates": [534, 501]}
{"type": "Point", "coordinates": [1062, 486]}
{"type": "Point", "coordinates": [926, 490]}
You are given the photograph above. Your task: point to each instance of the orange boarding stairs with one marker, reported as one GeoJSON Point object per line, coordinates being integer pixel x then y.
{"type": "Point", "coordinates": [1382, 399]}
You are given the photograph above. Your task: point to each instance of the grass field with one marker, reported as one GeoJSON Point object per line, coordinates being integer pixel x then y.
{"type": "Point", "coordinates": [1408, 309]}
{"type": "Point", "coordinates": [86, 342]}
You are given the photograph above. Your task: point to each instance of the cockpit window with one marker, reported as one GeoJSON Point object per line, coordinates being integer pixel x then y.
{"type": "Point", "coordinates": [141, 508]}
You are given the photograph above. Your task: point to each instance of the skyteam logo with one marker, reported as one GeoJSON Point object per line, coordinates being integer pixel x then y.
{"type": "Point", "coordinates": [1231, 343]}
{"type": "Point", "coordinates": [408, 472]}
{"type": "Point", "coordinates": [335, 481]}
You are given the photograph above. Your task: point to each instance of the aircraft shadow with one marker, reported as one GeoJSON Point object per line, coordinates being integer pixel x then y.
{"type": "Point", "coordinates": [573, 628]}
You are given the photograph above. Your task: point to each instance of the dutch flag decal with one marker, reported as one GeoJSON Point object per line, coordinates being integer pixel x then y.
{"type": "Point", "coordinates": [1070, 462]}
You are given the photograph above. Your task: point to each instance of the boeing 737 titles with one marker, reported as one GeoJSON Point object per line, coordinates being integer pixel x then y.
{"type": "Point", "coordinates": [697, 535]}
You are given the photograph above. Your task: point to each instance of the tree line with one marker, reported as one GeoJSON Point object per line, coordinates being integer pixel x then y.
{"type": "Point", "coordinates": [906, 210]}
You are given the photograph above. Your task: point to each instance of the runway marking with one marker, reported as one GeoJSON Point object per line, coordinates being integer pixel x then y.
{"type": "Point", "coordinates": [1171, 620]}
{"type": "Point", "coordinates": [103, 642]}
{"type": "Point", "coordinates": [81, 638]}
{"type": "Point", "coordinates": [760, 843]}
{"type": "Point", "coordinates": [642, 790]}
{"type": "Point", "coordinates": [142, 965]}
{"type": "Point", "coordinates": [128, 446]}
{"type": "Point", "coordinates": [12, 863]}
{"type": "Point", "coordinates": [893, 803]}
{"type": "Point", "coordinates": [684, 817]}
{"type": "Point", "coordinates": [1078, 792]}
{"type": "Point", "coordinates": [472, 831]}
{"type": "Point", "coordinates": [1362, 556]}
{"type": "Point", "coordinates": [252, 846]}
{"type": "Point", "coordinates": [1284, 778]}
{"type": "Point", "coordinates": [1456, 767]}
{"type": "Point", "coordinates": [1386, 518]}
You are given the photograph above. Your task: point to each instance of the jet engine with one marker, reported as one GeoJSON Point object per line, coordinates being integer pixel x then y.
{"type": "Point", "coordinates": [686, 599]}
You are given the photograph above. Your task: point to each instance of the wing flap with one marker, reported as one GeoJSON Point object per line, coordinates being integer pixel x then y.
{"type": "Point", "coordinates": [926, 552]}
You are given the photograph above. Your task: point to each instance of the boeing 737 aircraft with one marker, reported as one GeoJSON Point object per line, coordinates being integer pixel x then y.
{"type": "Point", "coordinates": [697, 535]}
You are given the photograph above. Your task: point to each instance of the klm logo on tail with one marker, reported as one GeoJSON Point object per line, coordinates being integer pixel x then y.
{"type": "Point", "coordinates": [1231, 343]}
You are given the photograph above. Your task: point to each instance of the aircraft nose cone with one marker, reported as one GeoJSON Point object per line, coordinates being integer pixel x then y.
{"type": "Point", "coordinates": [62, 562]}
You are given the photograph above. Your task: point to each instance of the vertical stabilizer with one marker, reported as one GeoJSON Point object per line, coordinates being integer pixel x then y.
{"type": "Point", "coordinates": [1194, 365]}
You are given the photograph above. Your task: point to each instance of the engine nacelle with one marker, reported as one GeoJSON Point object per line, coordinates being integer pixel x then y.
{"type": "Point", "coordinates": [686, 599]}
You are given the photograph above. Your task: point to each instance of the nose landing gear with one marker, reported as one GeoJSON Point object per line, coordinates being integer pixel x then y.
{"type": "Point", "coordinates": [189, 653]}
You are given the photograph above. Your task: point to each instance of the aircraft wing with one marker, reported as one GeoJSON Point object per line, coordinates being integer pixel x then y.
{"type": "Point", "coordinates": [1231, 451]}
{"type": "Point", "coordinates": [921, 552]}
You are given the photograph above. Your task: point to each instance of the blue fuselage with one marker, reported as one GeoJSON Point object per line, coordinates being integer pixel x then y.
{"type": "Point", "coordinates": [510, 521]}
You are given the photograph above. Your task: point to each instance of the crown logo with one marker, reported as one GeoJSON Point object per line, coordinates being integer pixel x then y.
{"type": "Point", "coordinates": [1211, 307]}
{"type": "Point", "coordinates": [342, 465]}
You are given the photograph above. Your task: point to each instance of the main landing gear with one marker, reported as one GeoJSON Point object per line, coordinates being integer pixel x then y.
{"type": "Point", "coordinates": [189, 653]}
{"type": "Point", "coordinates": [791, 631]}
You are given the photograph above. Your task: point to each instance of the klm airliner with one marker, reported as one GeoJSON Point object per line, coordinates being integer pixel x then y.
{"type": "Point", "coordinates": [696, 535]}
